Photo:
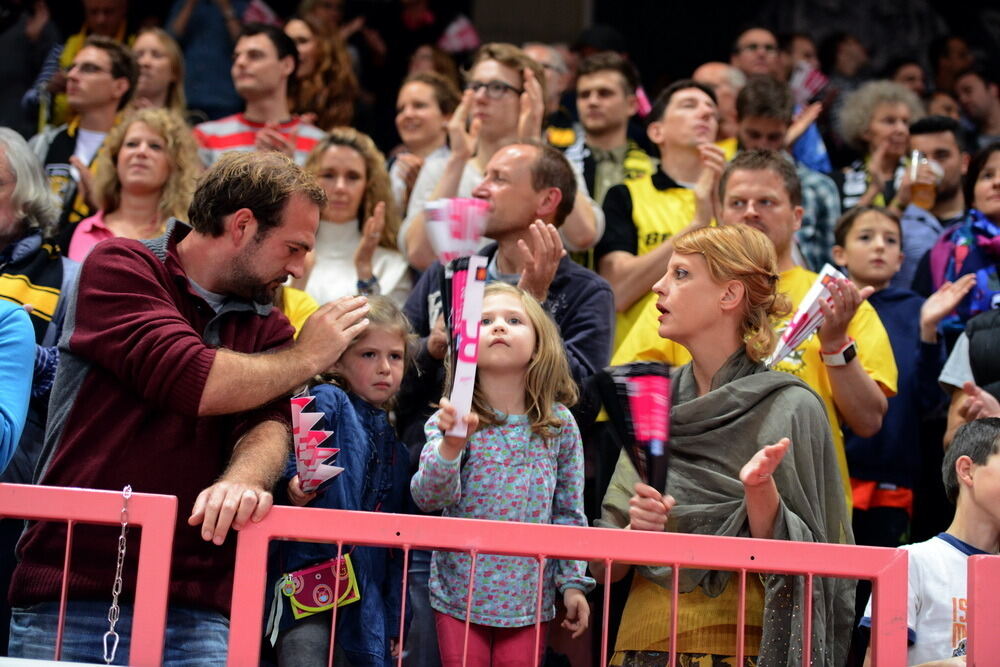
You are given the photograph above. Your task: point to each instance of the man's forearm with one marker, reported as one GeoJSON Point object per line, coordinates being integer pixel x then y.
{"type": "Point", "coordinates": [633, 276]}
{"type": "Point", "coordinates": [239, 382]}
{"type": "Point", "coordinates": [858, 398]}
{"type": "Point", "coordinates": [260, 455]}
{"type": "Point", "coordinates": [580, 227]}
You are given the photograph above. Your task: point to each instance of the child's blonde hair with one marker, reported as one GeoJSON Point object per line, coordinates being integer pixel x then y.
{"type": "Point", "coordinates": [548, 379]}
{"type": "Point", "coordinates": [739, 252]}
{"type": "Point", "coordinates": [383, 314]}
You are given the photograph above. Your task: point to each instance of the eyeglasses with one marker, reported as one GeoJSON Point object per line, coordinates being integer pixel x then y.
{"type": "Point", "coordinates": [767, 48]}
{"type": "Point", "coordinates": [86, 68]}
{"type": "Point", "coordinates": [494, 89]}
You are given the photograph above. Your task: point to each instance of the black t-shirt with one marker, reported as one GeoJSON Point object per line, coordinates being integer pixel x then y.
{"type": "Point", "coordinates": [619, 230]}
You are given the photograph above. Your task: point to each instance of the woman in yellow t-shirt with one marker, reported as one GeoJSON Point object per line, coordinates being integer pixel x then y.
{"type": "Point", "coordinates": [749, 450]}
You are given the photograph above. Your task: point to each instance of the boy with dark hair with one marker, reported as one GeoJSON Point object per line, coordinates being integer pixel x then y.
{"type": "Point", "coordinates": [884, 467]}
{"type": "Point", "coordinates": [606, 100]}
{"type": "Point", "coordinates": [938, 568]}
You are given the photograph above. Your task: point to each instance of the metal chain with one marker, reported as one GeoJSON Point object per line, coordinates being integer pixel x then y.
{"type": "Point", "coordinates": [116, 589]}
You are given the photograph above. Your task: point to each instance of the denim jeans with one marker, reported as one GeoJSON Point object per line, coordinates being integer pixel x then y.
{"type": "Point", "coordinates": [194, 636]}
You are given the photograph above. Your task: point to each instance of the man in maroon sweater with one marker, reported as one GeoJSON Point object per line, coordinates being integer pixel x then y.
{"type": "Point", "coordinates": [174, 379]}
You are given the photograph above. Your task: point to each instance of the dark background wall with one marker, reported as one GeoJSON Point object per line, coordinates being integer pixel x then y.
{"type": "Point", "coordinates": [667, 39]}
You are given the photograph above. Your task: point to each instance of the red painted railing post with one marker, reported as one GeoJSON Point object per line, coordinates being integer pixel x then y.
{"type": "Point", "coordinates": [983, 615]}
{"type": "Point", "coordinates": [156, 514]}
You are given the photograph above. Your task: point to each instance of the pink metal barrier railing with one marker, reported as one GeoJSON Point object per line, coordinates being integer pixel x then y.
{"type": "Point", "coordinates": [887, 568]}
{"type": "Point", "coordinates": [983, 615]}
{"type": "Point", "coordinates": [157, 516]}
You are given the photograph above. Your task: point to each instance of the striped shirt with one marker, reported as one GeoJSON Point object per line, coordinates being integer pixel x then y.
{"type": "Point", "coordinates": [238, 133]}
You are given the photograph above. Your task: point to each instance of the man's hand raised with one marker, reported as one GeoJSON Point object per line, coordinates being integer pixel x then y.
{"type": "Point", "coordinates": [540, 259]}
{"type": "Point", "coordinates": [328, 331]}
{"type": "Point", "coordinates": [532, 107]}
{"type": "Point", "coordinates": [706, 190]}
{"type": "Point", "coordinates": [463, 137]}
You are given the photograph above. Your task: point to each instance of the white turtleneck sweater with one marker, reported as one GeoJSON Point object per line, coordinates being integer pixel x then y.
{"type": "Point", "coordinates": [334, 275]}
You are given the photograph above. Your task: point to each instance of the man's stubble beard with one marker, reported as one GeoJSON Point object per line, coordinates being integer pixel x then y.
{"type": "Point", "coordinates": [244, 282]}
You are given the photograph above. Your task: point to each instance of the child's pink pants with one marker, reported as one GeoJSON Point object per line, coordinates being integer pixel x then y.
{"type": "Point", "coordinates": [496, 647]}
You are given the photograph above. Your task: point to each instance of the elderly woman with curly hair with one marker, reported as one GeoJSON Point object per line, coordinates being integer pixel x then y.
{"type": "Point", "coordinates": [356, 243]}
{"type": "Point", "coordinates": [875, 120]}
{"type": "Point", "coordinates": [146, 175]}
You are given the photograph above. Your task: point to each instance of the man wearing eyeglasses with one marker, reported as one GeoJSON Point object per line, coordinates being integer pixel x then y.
{"type": "Point", "coordinates": [756, 52]}
{"type": "Point", "coordinates": [99, 84]}
{"type": "Point", "coordinates": [46, 100]}
{"type": "Point", "coordinates": [504, 101]}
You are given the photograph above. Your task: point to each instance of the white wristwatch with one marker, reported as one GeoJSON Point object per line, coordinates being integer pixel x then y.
{"type": "Point", "coordinates": [842, 357]}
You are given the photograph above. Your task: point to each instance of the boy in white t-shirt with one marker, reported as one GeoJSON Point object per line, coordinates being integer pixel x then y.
{"type": "Point", "coordinates": [936, 621]}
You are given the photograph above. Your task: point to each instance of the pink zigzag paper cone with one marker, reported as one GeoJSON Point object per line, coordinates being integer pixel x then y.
{"type": "Point", "coordinates": [313, 462]}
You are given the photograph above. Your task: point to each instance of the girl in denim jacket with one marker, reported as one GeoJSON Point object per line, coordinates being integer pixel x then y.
{"type": "Point", "coordinates": [354, 397]}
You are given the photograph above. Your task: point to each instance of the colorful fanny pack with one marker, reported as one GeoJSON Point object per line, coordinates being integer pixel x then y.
{"type": "Point", "coordinates": [311, 590]}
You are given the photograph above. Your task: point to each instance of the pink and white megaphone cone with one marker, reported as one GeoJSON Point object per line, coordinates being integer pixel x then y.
{"type": "Point", "coordinates": [455, 226]}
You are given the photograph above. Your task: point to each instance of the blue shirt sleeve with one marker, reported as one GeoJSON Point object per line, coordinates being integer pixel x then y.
{"type": "Point", "coordinates": [810, 150]}
{"type": "Point", "coordinates": [17, 363]}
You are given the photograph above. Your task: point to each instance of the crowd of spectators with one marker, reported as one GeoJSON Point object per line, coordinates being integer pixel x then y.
{"type": "Point", "coordinates": [176, 192]}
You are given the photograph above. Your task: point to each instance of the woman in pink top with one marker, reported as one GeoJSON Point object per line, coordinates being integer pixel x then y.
{"type": "Point", "coordinates": [146, 176]}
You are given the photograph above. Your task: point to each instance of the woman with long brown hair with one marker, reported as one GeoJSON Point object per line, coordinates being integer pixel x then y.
{"type": "Point", "coordinates": [327, 87]}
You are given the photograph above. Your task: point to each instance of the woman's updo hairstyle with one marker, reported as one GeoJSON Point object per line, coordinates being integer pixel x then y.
{"type": "Point", "coordinates": [739, 252]}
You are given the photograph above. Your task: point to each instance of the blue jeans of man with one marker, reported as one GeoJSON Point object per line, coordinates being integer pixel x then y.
{"type": "Point", "coordinates": [194, 637]}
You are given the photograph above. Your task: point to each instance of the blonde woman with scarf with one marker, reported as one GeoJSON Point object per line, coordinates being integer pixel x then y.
{"type": "Point", "coordinates": [751, 456]}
